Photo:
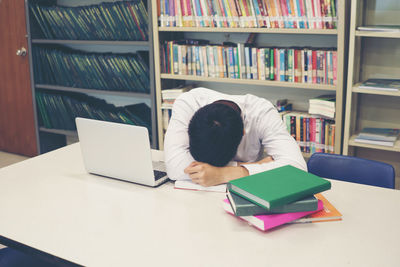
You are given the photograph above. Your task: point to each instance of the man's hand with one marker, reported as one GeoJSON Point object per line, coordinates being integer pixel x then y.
{"type": "Point", "coordinates": [204, 174]}
{"type": "Point", "coordinates": [207, 175]}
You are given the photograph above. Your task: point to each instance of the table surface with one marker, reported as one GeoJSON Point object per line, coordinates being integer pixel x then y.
{"type": "Point", "coordinates": [50, 203]}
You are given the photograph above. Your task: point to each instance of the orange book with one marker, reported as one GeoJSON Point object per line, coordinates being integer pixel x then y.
{"type": "Point", "coordinates": [327, 214]}
{"type": "Point", "coordinates": [272, 13]}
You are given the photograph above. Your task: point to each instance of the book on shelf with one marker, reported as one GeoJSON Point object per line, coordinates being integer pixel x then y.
{"type": "Point", "coordinates": [278, 187]}
{"type": "Point", "coordinates": [379, 134]}
{"type": "Point", "coordinates": [379, 28]}
{"type": "Point", "coordinates": [58, 110]}
{"type": "Point", "coordinates": [283, 105]}
{"type": "Point", "coordinates": [166, 112]}
{"type": "Point", "coordinates": [246, 61]}
{"type": "Point", "coordinates": [122, 21]}
{"type": "Point", "coordinates": [174, 93]}
{"type": "Point", "coordinates": [307, 14]}
{"type": "Point", "coordinates": [374, 142]}
{"type": "Point", "coordinates": [381, 84]}
{"type": "Point", "coordinates": [327, 214]}
{"type": "Point", "coordinates": [312, 133]}
{"type": "Point", "coordinates": [269, 221]}
{"type": "Point", "coordinates": [324, 105]}
{"type": "Point", "coordinates": [88, 70]}
{"type": "Point", "coordinates": [243, 207]}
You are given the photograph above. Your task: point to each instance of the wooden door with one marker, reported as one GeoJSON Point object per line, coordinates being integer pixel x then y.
{"type": "Point", "coordinates": [17, 123]}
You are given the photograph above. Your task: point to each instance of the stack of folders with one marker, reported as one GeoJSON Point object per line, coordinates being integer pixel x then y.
{"type": "Point", "coordinates": [279, 196]}
{"type": "Point", "coordinates": [378, 136]}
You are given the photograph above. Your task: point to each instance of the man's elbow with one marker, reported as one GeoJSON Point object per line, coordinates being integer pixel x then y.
{"type": "Point", "coordinates": [174, 174]}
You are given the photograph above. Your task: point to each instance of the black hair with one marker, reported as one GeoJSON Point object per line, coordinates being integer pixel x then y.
{"type": "Point", "coordinates": [215, 132]}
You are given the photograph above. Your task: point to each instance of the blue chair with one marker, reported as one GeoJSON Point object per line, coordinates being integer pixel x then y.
{"type": "Point", "coordinates": [352, 169]}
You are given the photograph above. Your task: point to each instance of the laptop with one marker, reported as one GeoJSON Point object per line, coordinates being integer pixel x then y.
{"type": "Point", "coordinates": [119, 151]}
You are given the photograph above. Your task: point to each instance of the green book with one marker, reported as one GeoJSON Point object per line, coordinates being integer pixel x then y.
{"type": "Point", "coordinates": [243, 207]}
{"type": "Point", "coordinates": [278, 187]}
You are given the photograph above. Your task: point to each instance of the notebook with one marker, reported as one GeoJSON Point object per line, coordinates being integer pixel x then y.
{"type": "Point", "coordinates": [119, 151]}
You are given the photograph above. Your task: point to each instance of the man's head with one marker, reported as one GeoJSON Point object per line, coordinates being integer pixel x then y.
{"type": "Point", "coordinates": [215, 132]}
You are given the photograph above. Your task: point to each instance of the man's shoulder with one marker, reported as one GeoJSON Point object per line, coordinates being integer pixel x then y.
{"type": "Point", "coordinates": [201, 91]}
{"type": "Point", "coordinates": [198, 94]}
{"type": "Point", "coordinates": [255, 103]}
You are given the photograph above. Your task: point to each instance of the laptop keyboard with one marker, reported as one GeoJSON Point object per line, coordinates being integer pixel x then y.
{"type": "Point", "coordinates": [158, 174]}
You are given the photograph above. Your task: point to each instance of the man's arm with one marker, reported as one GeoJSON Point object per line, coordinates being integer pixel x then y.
{"type": "Point", "coordinates": [207, 175]}
{"type": "Point", "coordinates": [278, 144]}
{"type": "Point", "coordinates": [176, 142]}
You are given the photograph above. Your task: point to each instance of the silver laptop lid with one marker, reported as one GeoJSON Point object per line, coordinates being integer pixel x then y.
{"type": "Point", "coordinates": [116, 150]}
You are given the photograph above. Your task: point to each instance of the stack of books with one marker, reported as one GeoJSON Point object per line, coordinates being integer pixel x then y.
{"type": "Point", "coordinates": [168, 97]}
{"type": "Point", "coordinates": [323, 105]}
{"type": "Point", "coordinates": [282, 105]}
{"type": "Point", "coordinates": [279, 196]}
{"type": "Point", "coordinates": [378, 136]}
{"type": "Point", "coordinates": [381, 84]}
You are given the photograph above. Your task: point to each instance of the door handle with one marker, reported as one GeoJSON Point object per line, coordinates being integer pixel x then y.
{"type": "Point", "coordinates": [21, 52]}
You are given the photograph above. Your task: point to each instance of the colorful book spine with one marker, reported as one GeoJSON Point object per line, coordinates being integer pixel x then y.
{"type": "Point", "coordinates": [267, 222]}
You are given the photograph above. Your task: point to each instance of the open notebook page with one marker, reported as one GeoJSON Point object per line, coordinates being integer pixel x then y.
{"type": "Point", "coordinates": [188, 184]}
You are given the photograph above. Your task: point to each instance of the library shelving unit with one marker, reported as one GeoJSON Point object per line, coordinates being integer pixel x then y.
{"type": "Point", "coordinates": [258, 87]}
{"type": "Point", "coordinates": [49, 138]}
{"type": "Point", "coordinates": [372, 54]}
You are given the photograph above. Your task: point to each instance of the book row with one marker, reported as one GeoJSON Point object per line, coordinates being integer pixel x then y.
{"type": "Point", "coordinates": [103, 71]}
{"type": "Point", "coordinates": [312, 133]}
{"type": "Point", "coordinates": [294, 14]}
{"type": "Point", "coordinates": [59, 110]}
{"type": "Point", "coordinates": [124, 20]}
{"type": "Point", "coordinates": [243, 61]}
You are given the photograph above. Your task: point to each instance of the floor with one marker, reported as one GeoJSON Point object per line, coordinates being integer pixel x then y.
{"type": "Point", "coordinates": [8, 159]}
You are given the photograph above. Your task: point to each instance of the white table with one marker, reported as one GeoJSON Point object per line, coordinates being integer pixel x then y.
{"type": "Point", "coordinates": [51, 204]}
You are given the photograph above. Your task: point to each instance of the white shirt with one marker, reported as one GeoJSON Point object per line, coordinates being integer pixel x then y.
{"type": "Point", "coordinates": [264, 131]}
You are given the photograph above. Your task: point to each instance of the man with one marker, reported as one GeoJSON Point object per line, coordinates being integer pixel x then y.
{"type": "Point", "coordinates": [213, 138]}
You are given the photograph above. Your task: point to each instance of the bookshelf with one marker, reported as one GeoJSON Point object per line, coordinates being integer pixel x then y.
{"type": "Point", "coordinates": [297, 93]}
{"type": "Point", "coordinates": [372, 54]}
{"type": "Point", "coordinates": [97, 41]}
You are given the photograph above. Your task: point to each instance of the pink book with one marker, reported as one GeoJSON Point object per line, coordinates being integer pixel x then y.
{"type": "Point", "coordinates": [266, 222]}
{"type": "Point", "coordinates": [334, 55]}
{"type": "Point", "coordinates": [312, 135]}
{"type": "Point", "coordinates": [320, 19]}
{"type": "Point", "coordinates": [303, 14]}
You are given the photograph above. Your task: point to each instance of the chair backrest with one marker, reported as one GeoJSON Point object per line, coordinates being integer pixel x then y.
{"type": "Point", "coordinates": [352, 169]}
